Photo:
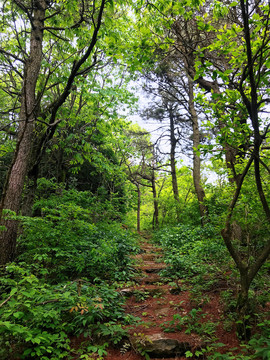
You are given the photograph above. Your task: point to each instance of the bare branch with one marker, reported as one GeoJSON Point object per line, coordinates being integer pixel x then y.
{"type": "Point", "coordinates": [11, 55]}
{"type": "Point", "coordinates": [4, 302]}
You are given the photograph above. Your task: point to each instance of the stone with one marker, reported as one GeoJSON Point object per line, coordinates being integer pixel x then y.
{"type": "Point", "coordinates": [152, 280]}
{"type": "Point", "coordinates": [160, 346]}
{"type": "Point", "coordinates": [162, 312]}
{"type": "Point", "coordinates": [128, 292]}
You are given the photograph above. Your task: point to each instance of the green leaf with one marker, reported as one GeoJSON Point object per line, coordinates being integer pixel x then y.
{"type": "Point", "coordinates": [18, 314]}
{"type": "Point", "coordinates": [13, 291]}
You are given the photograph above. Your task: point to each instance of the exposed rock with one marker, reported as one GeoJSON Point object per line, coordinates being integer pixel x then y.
{"type": "Point", "coordinates": [159, 346]}
{"type": "Point", "coordinates": [126, 292]}
{"type": "Point", "coordinates": [162, 312]}
{"type": "Point", "coordinates": [149, 280]}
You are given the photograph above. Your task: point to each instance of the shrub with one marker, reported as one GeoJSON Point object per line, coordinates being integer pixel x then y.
{"type": "Point", "coordinates": [37, 318]}
{"type": "Point", "coordinates": [191, 250]}
{"type": "Point", "coordinates": [68, 245]}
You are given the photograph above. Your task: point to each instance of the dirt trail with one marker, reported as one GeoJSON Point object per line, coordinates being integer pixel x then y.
{"type": "Point", "coordinates": [157, 303]}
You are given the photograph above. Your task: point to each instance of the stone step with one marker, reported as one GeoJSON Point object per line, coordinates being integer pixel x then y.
{"type": "Point", "coordinates": [149, 280]}
{"type": "Point", "coordinates": [151, 248]}
{"type": "Point", "coordinates": [151, 257]}
{"type": "Point", "coordinates": [153, 268]}
{"type": "Point", "coordinates": [149, 267]}
{"type": "Point", "coordinates": [128, 292]}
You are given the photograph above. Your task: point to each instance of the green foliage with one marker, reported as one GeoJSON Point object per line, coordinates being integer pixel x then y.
{"type": "Point", "coordinates": [141, 295]}
{"type": "Point", "coordinates": [249, 216]}
{"type": "Point", "coordinates": [199, 256]}
{"type": "Point", "coordinates": [192, 323]}
{"type": "Point", "coordinates": [191, 250]}
{"type": "Point", "coordinates": [32, 319]}
{"type": "Point", "coordinates": [142, 341]}
{"type": "Point", "coordinates": [186, 210]}
{"type": "Point", "coordinates": [56, 289]}
{"type": "Point", "coordinates": [171, 212]}
{"type": "Point", "coordinates": [257, 348]}
{"type": "Point", "coordinates": [37, 318]}
{"type": "Point", "coordinates": [66, 243]}
{"type": "Point", "coordinates": [99, 207]}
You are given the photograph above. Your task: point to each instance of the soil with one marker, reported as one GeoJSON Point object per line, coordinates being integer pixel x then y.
{"type": "Point", "coordinates": [156, 302]}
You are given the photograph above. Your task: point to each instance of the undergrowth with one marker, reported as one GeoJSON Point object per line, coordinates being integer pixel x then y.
{"type": "Point", "coordinates": [62, 283]}
{"type": "Point", "coordinates": [198, 257]}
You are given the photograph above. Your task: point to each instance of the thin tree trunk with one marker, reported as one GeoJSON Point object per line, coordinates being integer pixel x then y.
{"type": "Point", "coordinates": [173, 143]}
{"type": "Point", "coordinates": [243, 328]}
{"type": "Point", "coordinates": [138, 208]}
{"type": "Point", "coordinates": [196, 158]}
{"type": "Point", "coordinates": [154, 190]}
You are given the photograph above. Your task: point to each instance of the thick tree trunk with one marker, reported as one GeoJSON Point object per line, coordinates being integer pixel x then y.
{"type": "Point", "coordinates": [11, 198]}
{"type": "Point", "coordinates": [29, 195]}
{"type": "Point", "coordinates": [12, 195]}
{"type": "Point", "coordinates": [196, 158]}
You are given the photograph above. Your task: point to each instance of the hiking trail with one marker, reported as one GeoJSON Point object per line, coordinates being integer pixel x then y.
{"type": "Point", "coordinates": [161, 304]}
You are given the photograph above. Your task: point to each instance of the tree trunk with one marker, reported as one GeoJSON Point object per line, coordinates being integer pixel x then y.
{"type": "Point", "coordinates": [155, 215]}
{"type": "Point", "coordinates": [138, 208]}
{"type": "Point", "coordinates": [29, 196]}
{"type": "Point", "coordinates": [173, 142]}
{"type": "Point", "coordinates": [11, 198]}
{"type": "Point", "coordinates": [243, 306]}
{"type": "Point", "coordinates": [196, 158]}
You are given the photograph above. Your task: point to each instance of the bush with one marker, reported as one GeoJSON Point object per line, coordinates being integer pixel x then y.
{"type": "Point", "coordinates": [66, 244]}
{"type": "Point", "coordinates": [191, 250]}
{"type": "Point", "coordinates": [37, 319]}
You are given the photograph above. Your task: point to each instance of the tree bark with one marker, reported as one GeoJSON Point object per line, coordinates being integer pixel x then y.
{"type": "Point", "coordinates": [13, 189]}
{"type": "Point", "coordinates": [243, 328]}
{"type": "Point", "coordinates": [12, 193]}
{"type": "Point", "coordinates": [138, 208]}
{"type": "Point", "coordinates": [29, 195]}
{"type": "Point", "coordinates": [173, 143]}
{"type": "Point", "coordinates": [196, 158]}
{"type": "Point", "coordinates": [154, 190]}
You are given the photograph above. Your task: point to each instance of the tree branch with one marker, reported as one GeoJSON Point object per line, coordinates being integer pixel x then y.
{"type": "Point", "coordinates": [2, 51]}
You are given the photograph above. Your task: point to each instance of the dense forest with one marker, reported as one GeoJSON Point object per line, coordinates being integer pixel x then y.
{"type": "Point", "coordinates": [100, 221]}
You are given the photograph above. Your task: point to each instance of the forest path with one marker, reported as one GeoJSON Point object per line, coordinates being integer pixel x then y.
{"type": "Point", "coordinates": [157, 302]}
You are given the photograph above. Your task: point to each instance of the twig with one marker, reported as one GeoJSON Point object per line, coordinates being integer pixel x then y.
{"type": "Point", "coordinates": [47, 302]}
{"type": "Point", "coordinates": [4, 302]}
